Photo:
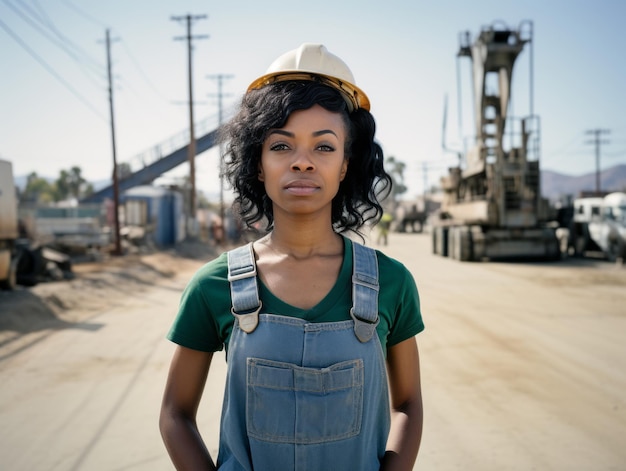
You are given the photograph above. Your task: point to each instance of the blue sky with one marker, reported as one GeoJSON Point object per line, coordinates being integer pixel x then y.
{"type": "Point", "coordinates": [53, 87]}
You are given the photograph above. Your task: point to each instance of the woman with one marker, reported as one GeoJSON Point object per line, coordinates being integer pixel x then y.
{"type": "Point", "coordinates": [319, 330]}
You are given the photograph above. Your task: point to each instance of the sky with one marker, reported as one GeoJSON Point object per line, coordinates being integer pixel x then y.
{"type": "Point", "coordinates": [54, 102]}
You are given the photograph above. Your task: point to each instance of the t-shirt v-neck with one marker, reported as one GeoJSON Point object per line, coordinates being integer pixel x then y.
{"type": "Point", "coordinates": [338, 296]}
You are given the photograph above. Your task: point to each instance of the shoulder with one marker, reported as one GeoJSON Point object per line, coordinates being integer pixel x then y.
{"type": "Point", "coordinates": [203, 321]}
{"type": "Point", "coordinates": [210, 277]}
{"type": "Point", "coordinates": [396, 281]}
{"type": "Point", "coordinates": [390, 268]}
{"type": "Point", "coordinates": [385, 261]}
{"type": "Point", "coordinates": [387, 266]}
{"type": "Point", "coordinates": [213, 270]}
{"type": "Point", "coordinates": [392, 273]}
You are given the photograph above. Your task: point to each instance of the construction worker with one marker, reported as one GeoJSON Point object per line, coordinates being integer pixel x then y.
{"type": "Point", "coordinates": [383, 228]}
{"type": "Point", "coordinates": [319, 329]}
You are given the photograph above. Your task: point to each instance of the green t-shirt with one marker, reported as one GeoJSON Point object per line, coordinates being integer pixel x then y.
{"type": "Point", "coordinates": [204, 321]}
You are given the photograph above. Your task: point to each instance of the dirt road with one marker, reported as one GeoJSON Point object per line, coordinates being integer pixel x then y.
{"type": "Point", "coordinates": [523, 367]}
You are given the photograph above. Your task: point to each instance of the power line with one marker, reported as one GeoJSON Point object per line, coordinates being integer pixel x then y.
{"type": "Point", "coordinates": [116, 200]}
{"type": "Point", "coordinates": [46, 28]}
{"type": "Point", "coordinates": [141, 71]}
{"type": "Point", "coordinates": [220, 79]}
{"type": "Point", "coordinates": [619, 153]}
{"type": "Point", "coordinates": [563, 148]}
{"type": "Point", "coordinates": [83, 14]}
{"type": "Point", "coordinates": [192, 138]}
{"type": "Point", "coordinates": [51, 70]}
{"type": "Point", "coordinates": [43, 14]}
{"type": "Point", "coordinates": [598, 141]}
{"type": "Point", "coordinates": [39, 15]}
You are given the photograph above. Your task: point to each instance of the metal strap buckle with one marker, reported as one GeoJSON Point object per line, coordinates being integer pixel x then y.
{"type": "Point", "coordinates": [248, 322]}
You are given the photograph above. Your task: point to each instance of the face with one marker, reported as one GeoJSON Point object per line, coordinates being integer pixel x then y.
{"type": "Point", "coordinates": [303, 163]}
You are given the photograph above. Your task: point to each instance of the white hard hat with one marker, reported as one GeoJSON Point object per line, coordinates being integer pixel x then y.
{"type": "Point", "coordinates": [311, 62]}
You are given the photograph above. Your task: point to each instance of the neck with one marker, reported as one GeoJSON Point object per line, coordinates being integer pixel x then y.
{"type": "Point", "coordinates": [301, 239]}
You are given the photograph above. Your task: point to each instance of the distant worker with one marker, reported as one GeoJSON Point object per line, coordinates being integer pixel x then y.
{"type": "Point", "coordinates": [384, 225]}
{"type": "Point", "coordinates": [319, 329]}
{"type": "Point", "coordinates": [218, 230]}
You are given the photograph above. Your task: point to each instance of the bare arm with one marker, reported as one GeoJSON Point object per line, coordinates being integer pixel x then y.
{"type": "Point", "coordinates": [406, 407]}
{"type": "Point", "coordinates": [183, 391]}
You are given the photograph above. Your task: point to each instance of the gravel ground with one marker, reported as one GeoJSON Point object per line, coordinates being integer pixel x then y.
{"type": "Point", "coordinates": [95, 286]}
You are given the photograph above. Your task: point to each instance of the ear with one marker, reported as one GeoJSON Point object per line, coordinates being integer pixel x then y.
{"type": "Point", "coordinates": [344, 170]}
{"type": "Point", "coordinates": [261, 175]}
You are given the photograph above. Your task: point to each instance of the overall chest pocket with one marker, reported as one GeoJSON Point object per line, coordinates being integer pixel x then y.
{"type": "Point", "coordinates": [287, 403]}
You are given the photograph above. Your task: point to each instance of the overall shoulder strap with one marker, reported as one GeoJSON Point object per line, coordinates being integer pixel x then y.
{"type": "Point", "coordinates": [364, 291]}
{"type": "Point", "coordinates": [244, 292]}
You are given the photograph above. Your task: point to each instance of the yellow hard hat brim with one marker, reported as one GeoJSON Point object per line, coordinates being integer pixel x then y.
{"type": "Point", "coordinates": [355, 97]}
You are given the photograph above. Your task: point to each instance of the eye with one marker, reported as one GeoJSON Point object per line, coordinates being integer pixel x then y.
{"type": "Point", "coordinates": [326, 148]}
{"type": "Point", "coordinates": [278, 146]}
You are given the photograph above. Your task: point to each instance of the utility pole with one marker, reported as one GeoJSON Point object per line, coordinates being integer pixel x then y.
{"type": "Point", "coordinates": [220, 79]}
{"type": "Point", "coordinates": [116, 189]}
{"type": "Point", "coordinates": [191, 153]}
{"type": "Point", "coordinates": [597, 141]}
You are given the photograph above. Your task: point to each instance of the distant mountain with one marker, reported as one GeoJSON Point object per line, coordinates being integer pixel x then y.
{"type": "Point", "coordinates": [20, 181]}
{"type": "Point", "coordinates": [555, 186]}
{"type": "Point", "coordinates": [212, 195]}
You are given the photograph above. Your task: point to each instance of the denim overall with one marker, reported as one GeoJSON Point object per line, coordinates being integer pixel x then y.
{"type": "Point", "coordinates": [300, 395]}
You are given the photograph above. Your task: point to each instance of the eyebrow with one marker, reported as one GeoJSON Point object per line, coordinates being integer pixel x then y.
{"type": "Point", "coordinates": [290, 134]}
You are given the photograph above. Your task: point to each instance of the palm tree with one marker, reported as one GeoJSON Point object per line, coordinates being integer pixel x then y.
{"type": "Point", "coordinates": [70, 184]}
{"type": "Point", "coordinates": [396, 168]}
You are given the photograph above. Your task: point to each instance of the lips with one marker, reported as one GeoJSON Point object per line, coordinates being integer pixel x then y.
{"type": "Point", "coordinates": [301, 187]}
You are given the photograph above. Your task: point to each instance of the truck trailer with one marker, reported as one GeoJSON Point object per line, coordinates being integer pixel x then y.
{"type": "Point", "coordinates": [8, 227]}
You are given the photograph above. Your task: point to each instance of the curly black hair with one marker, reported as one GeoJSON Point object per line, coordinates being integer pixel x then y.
{"type": "Point", "coordinates": [366, 182]}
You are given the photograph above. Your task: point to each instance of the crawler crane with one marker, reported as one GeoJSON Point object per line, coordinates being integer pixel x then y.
{"type": "Point", "coordinates": [492, 206]}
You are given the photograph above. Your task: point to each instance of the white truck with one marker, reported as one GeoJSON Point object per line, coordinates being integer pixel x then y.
{"type": "Point", "coordinates": [609, 230]}
{"type": "Point", "coordinates": [8, 226]}
{"type": "Point", "coordinates": [599, 224]}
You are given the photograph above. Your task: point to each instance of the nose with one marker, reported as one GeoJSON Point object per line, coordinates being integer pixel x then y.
{"type": "Point", "coordinates": [302, 163]}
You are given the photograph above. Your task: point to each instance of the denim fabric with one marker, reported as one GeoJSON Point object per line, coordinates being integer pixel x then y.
{"type": "Point", "coordinates": [364, 292]}
{"type": "Point", "coordinates": [365, 283]}
{"type": "Point", "coordinates": [242, 277]}
{"type": "Point", "coordinates": [304, 396]}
